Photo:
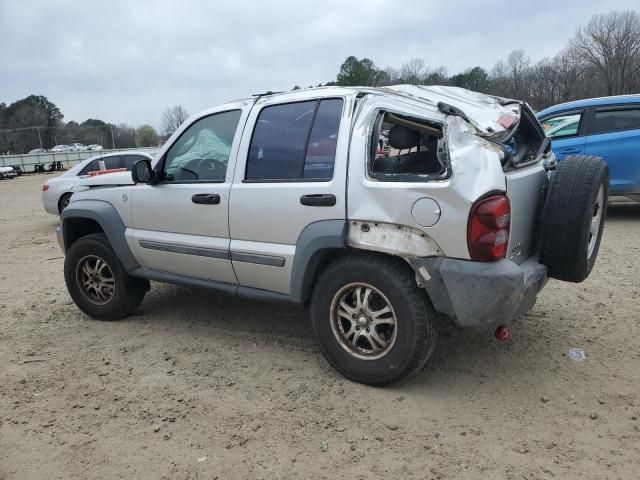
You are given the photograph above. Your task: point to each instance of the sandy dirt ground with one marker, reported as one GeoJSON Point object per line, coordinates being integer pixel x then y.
{"type": "Point", "coordinates": [198, 385]}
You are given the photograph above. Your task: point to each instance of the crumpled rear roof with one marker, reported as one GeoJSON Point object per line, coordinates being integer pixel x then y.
{"type": "Point", "coordinates": [484, 111]}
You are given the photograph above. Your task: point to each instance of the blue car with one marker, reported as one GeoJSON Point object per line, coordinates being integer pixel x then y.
{"type": "Point", "coordinates": [608, 127]}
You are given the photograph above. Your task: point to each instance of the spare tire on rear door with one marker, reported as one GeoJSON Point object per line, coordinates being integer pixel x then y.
{"type": "Point", "coordinates": [573, 217]}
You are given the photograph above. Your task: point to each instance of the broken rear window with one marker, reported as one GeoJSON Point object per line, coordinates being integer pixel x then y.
{"type": "Point", "coordinates": [406, 149]}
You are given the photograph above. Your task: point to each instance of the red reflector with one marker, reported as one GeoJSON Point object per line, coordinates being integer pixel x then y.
{"type": "Point", "coordinates": [45, 187]}
{"type": "Point", "coordinates": [488, 230]}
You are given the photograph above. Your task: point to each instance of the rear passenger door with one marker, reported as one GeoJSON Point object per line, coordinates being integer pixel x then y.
{"type": "Point", "coordinates": [615, 136]}
{"type": "Point", "coordinates": [291, 172]}
{"type": "Point", "coordinates": [567, 132]}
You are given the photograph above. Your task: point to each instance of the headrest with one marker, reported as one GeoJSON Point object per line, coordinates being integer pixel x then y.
{"type": "Point", "coordinates": [401, 137]}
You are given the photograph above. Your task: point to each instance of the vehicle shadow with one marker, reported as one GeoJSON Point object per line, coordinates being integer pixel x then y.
{"type": "Point", "coordinates": [460, 353]}
{"type": "Point", "coordinates": [624, 211]}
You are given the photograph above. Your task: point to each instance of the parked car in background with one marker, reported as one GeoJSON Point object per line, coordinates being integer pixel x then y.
{"type": "Point", "coordinates": [7, 173]}
{"type": "Point", "coordinates": [17, 169]}
{"type": "Point", "coordinates": [95, 147]}
{"type": "Point", "coordinates": [37, 150]}
{"type": "Point", "coordinates": [57, 191]}
{"type": "Point", "coordinates": [61, 148]}
{"type": "Point", "coordinates": [608, 127]}
{"type": "Point", "coordinates": [77, 147]}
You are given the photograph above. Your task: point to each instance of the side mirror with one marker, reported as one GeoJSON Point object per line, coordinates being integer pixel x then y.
{"type": "Point", "coordinates": [141, 171]}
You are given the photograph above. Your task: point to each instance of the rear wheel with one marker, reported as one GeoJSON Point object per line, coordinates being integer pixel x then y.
{"type": "Point", "coordinates": [97, 281]}
{"type": "Point", "coordinates": [371, 321]}
{"type": "Point", "coordinates": [574, 216]}
{"type": "Point", "coordinates": [64, 202]}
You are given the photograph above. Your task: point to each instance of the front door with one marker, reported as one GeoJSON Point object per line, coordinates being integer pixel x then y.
{"type": "Point", "coordinates": [567, 131]}
{"type": "Point", "coordinates": [181, 223]}
{"type": "Point", "coordinates": [291, 172]}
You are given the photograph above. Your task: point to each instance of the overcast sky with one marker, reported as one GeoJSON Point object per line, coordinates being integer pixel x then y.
{"type": "Point", "coordinates": [126, 61]}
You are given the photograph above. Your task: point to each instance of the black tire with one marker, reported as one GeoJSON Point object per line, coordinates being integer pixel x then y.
{"type": "Point", "coordinates": [415, 319]}
{"type": "Point", "coordinates": [570, 207]}
{"type": "Point", "coordinates": [127, 292]}
{"type": "Point", "coordinates": [64, 202]}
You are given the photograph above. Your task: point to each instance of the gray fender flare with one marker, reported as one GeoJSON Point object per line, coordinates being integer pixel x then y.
{"type": "Point", "coordinates": [109, 220]}
{"type": "Point", "coordinates": [313, 243]}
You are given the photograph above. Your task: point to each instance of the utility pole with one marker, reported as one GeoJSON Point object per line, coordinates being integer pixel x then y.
{"type": "Point", "coordinates": [113, 142]}
{"type": "Point", "coordinates": [39, 137]}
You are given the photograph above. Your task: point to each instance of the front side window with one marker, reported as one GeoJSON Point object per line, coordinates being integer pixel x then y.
{"type": "Point", "coordinates": [564, 125]}
{"type": "Point", "coordinates": [613, 120]}
{"type": "Point", "coordinates": [295, 141]}
{"type": "Point", "coordinates": [201, 154]}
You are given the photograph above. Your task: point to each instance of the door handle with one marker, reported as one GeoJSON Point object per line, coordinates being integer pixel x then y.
{"type": "Point", "coordinates": [570, 150]}
{"type": "Point", "coordinates": [318, 200]}
{"type": "Point", "coordinates": [206, 198]}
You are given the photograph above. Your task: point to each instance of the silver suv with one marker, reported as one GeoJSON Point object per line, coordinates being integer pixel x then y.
{"type": "Point", "coordinates": [460, 211]}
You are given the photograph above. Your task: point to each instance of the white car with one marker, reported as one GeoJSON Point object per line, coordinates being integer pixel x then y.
{"type": "Point", "coordinates": [78, 147]}
{"type": "Point", "coordinates": [61, 148]}
{"type": "Point", "coordinates": [95, 147]}
{"type": "Point", "coordinates": [7, 172]}
{"type": "Point", "coordinates": [57, 191]}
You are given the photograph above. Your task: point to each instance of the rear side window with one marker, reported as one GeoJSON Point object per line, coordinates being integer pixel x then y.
{"type": "Point", "coordinates": [90, 167]}
{"type": "Point", "coordinates": [563, 125]}
{"type": "Point", "coordinates": [295, 141]}
{"type": "Point", "coordinates": [109, 163]}
{"type": "Point", "coordinates": [614, 120]}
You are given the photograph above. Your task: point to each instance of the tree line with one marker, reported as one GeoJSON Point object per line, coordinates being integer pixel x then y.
{"type": "Point", "coordinates": [36, 122]}
{"type": "Point", "coordinates": [602, 58]}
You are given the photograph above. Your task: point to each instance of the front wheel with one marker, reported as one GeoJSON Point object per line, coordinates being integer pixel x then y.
{"type": "Point", "coordinates": [371, 321]}
{"type": "Point", "coordinates": [97, 281]}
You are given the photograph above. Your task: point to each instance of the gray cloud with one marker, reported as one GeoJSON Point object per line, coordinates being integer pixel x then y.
{"type": "Point", "coordinates": [126, 61]}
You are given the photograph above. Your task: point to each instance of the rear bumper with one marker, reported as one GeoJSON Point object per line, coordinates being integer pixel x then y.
{"type": "Point", "coordinates": [481, 295]}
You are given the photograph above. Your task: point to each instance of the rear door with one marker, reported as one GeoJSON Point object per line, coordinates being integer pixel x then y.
{"type": "Point", "coordinates": [567, 132]}
{"type": "Point", "coordinates": [291, 172]}
{"type": "Point", "coordinates": [615, 136]}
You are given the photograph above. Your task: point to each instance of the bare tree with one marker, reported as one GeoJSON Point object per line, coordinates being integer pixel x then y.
{"type": "Point", "coordinates": [436, 76]}
{"type": "Point", "coordinates": [413, 71]}
{"type": "Point", "coordinates": [610, 44]}
{"type": "Point", "coordinates": [172, 118]}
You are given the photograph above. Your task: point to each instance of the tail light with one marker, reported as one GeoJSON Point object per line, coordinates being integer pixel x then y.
{"type": "Point", "coordinates": [45, 187]}
{"type": "Point", "coordinates": [488, 230]}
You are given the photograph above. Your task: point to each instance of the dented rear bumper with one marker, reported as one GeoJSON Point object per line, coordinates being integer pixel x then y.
{"type": "Point", "coordinates": [481, 295]}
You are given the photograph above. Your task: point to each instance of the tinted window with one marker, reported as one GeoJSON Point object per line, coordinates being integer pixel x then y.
{"type": "Point", "coordinates": [91, 167]}
{"type": "Point", "coordinates": [202, 151]}
{"type": "Point", "coordinates": [613, 120]}
{"type": "Point", "coordinates": [321, 151]}
{"type": "Point", "coordinates": [113, 162]}
{"type": "Point", "coordinates": [295, 141]}
{"type": "Point", "coordinates": [563, 125]}
{"type": "Point", "coordinates": [129, 160]}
